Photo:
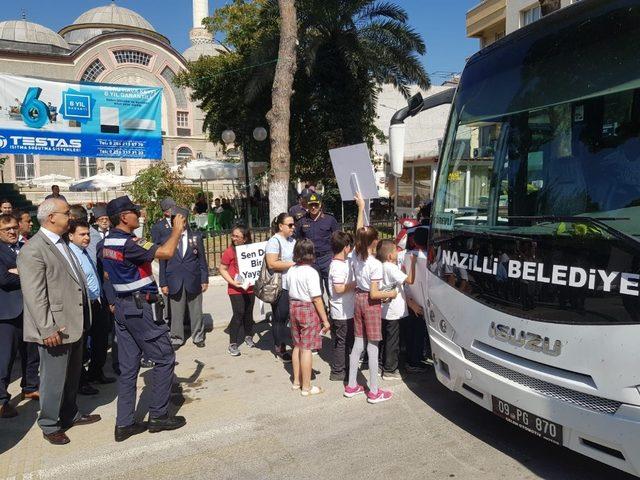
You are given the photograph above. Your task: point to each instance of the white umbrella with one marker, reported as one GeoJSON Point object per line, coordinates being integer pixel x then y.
{"type": "Point", "coordinates": [206, 169]}
{"type": "Point", "coordinates": [51, 179]}
{"type": "Point", "coordinates": [101, 182]}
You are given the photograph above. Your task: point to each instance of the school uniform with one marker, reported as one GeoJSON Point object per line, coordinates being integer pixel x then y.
{"type": "Point", "coordinates": [304, 286]}
{"type": "Point", "coordinates": [367, 321]}
{"type": "Point", "coordinates": [342, 309]}
{"type": "Point", "coordinates": [392, 312]}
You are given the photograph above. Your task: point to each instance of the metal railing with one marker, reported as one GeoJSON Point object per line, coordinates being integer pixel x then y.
{"type": "Point", "coordinates": [217, 242]}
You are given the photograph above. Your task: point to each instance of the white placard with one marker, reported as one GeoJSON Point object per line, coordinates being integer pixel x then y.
{"type": "Point", "coordinates": [353, 170]}
{"type": "Point", "coordinates": [250, 258]}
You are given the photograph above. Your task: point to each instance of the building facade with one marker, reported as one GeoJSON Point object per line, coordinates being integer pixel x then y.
{"type": "Point", "coordinates": [111, 44]}
{"type": "Point", "coordinates": [491, 20]}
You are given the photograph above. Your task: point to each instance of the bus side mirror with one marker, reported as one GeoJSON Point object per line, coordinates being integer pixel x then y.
{"type": "Point", "coordinates": [396, 148]}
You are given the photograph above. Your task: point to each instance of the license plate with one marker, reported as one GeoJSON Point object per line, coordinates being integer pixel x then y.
{"type": "Point", "coordinates": [539, 426]}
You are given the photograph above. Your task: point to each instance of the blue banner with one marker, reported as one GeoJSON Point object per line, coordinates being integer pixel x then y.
{"type": "Point", "coordinates": [49, 117]}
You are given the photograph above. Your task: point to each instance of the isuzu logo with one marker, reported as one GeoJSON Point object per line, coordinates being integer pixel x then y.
{"type": "Point", "coordinates": [529, 340]}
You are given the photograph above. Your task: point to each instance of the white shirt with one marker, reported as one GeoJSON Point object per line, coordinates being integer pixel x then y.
{"type": "Point", "coordinates": [183, 244]}
{"type": "Point", "coordinates": [282, 246]}
{"type": "Point", "coordinates": [394, 278]}
{"type": "Point", "coordinates": [304, 283]}
{"type": "Point", "coordinates": [366, 272]}
{"type": "Point", "coordinates": [59, 243]}
{"type": "Point", "coordinates": [342, 304]}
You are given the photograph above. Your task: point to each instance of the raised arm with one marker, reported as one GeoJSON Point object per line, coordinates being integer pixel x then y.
{"type": "Point", "coordinates": [361, 206]}
{"type": "Point", "coordinates": [168, 249]}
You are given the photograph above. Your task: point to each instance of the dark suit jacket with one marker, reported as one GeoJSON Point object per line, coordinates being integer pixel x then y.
{"type": "Point", "coordinates": [10, 292]}
{"type": "Point", "coordinates": [160, 231]}
{"type": "Point", "coordinates": [190, 271]}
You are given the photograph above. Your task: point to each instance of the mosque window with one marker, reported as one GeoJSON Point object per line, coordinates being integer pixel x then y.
{"type": "Point", "coordinates": [178, 93]}
{"type": "Point", "coordinates": [184, 154]}
{"type": "Point", "coordinates": [93, 71]}
{"type": "Point", "coordinates": [132, 56]}
{"type": "Point", "coordinates": [182, 119]}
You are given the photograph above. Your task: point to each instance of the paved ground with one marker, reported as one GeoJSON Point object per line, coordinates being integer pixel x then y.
{"type": "Point", "coordinates": [244, 422]}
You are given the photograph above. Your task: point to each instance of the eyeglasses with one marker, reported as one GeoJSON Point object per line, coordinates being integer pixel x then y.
{"type": "Point", "coordinates": [314, 205]}
{"type": "Point", "coordinates": [66, 214]}
{"type": "Point", "coordinates": [9, 229]}
{"type": "Point", "coordinates": [291, 225]}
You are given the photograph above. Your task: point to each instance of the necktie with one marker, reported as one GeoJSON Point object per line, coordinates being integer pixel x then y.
{"type": "Point", "coordinates": [14, 248]}
{"type": "Point", "coordinates": [93, 267]}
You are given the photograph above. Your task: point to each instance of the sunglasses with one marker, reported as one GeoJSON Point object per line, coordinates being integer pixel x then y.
{"type": "Point", "coordinates": [314, 205]}
{"type": "Point", "coordinates": [290, 225]}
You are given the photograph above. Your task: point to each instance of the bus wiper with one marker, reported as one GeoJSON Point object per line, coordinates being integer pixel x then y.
{"type": "Point", "coordinates": [600, 221]}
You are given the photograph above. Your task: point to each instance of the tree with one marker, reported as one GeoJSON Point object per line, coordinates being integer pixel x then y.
{"type": "Point", "coordinates": [155, 183]}
{"type": "Point", "coordinates": [279, 115]}
{"type": "Point", "coordinates": [345, 51]}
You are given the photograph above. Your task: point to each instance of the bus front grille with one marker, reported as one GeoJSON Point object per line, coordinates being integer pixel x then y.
{"type": "Point", "coordinates": [583, 400]}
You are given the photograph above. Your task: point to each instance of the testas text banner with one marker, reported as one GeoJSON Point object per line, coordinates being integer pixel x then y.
{"type": "Point", "coordinates": [50, 117]}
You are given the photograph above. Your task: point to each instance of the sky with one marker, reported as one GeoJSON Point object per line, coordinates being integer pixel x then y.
{"type": "Point", "coordinates": [440, 22]}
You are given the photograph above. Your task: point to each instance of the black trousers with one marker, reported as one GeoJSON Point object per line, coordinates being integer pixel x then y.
{"type": "Point", "coordinates": [10, 344]}
{"type": "Point", "coordinates": [416, 337]}
{"type": "Point", "coordinates": [390, 345]}
{"type": "Point", "coordinates": [99, 337]}
{"type": "Point", "coordinates": [280, 318]}
{"type": "Point", "coordinates": [342, 336]}
{"type": "Point", "coordinates": [241, 324]}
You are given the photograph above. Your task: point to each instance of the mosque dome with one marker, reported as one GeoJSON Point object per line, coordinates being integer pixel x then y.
{"type": "Point", "coordinates": [104, 19]}
{"type": "Point", "coordinates": [21, 31]}
{"type": "Point", "coordinates": [115, 15]}
{"type": "Point", "coordinates": [194, 52]}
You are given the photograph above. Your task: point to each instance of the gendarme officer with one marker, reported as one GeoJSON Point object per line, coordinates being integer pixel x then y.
{"type": "Point", "coordinates": [139, 327]}
{"type": "Point", "coordinates": [318, 226]}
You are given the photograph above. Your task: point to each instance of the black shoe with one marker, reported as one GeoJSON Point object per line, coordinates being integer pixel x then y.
{"type": "Point", "coordinates": [199, 344]}
{"type": "Point", "coordinates": [122, 433]}
{"type": "Point", "coordinates": [101, 378]}
{"type": "Point", "coordinates": [166, 422]}
{"type": "Point", "coordinates": [147, 363]}
{"type": "Point", "coordinates": [87, 390]}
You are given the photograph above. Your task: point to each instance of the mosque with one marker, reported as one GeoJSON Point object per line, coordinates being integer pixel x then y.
{"type": "Point", "coordinates": [111, 44]}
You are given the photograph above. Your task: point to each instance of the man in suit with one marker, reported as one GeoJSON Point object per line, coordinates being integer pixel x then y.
{"type": "Point", "coordinates": [184, 278]}
{"type": "Point", "coordinates": [56, 313]}
{"type": "Point", "coordinates": [25, 225]}
{"type": "Point", "coordinates": [11, 321]}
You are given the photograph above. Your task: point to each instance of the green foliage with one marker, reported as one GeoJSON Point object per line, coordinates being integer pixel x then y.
{"type": "Point", "coordinates": [156, 183]}
{"type": "Point", "coordinates": [346, 50]}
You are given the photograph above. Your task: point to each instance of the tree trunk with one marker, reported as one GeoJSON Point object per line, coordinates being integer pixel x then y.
{"type": "Point", "coordinates": [280, 114]}
{"type": "Point", "coordinates": [549, 6]}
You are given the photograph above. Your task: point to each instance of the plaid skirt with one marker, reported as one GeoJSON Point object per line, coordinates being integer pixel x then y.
{"type": "Point", "coordinates": [305, 325]}
{"type": "Point", "coordinates": [367, 322]}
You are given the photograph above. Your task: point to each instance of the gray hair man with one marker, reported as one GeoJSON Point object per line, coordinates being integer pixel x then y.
{"type": "Point", "coordinates": [56, 313]}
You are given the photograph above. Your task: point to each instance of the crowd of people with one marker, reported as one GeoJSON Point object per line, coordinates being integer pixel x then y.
{"type": "Point", "coordinates": [84, 283]}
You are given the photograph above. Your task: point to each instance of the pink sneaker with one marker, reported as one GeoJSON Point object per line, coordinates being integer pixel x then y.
{"type": "Point", "coordinates": [350, 392]}
{"type": "Point", "coordinates": [381, 396]}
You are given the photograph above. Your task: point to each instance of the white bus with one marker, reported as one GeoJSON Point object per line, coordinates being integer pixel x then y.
{"type": "Point", "coordinates": [533, 306]}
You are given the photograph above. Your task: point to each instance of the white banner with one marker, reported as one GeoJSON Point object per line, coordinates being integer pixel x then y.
{"type": "Point", "coordinates": [250, 258]}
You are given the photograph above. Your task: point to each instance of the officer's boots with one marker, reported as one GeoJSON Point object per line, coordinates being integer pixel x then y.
{"type": "Point", "coordinates": [166, 422]}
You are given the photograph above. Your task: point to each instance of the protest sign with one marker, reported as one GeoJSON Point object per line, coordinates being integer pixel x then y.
{"type": "Point", "coordinates": [354, 171]}
{"type": "Point", "coordinates": [250, 258]}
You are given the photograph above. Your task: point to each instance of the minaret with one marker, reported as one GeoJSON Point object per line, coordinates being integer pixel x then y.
{"type": "Point", "coordinates": [199, 34]}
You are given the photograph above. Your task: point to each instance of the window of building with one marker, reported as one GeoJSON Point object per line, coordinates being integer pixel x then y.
{"type": "Point", "coordinates": [25, 167]}
{"type": "Point", "coordinates": [414, 187]}
{"type": "Point", "coordinates": [88, 167]}
{"type": "Point", "coordinates": [93, 71]}
{"type": "Point", "coordinates": [530, 15]}
{"type": "Point", "coordinates": [132, 56]}
{"type": "Point", "coordinates": [183, 119]}
{"type": "Point", "coordinates": [178, 93]}
{"type": "Point", "coordinates": [184, 155]}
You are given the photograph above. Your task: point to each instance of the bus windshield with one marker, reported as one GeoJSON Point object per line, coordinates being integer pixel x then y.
{"type": "Point", "coordinates": [537, 204]}
{"type": "Point", "coordinates": [541, 133]}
